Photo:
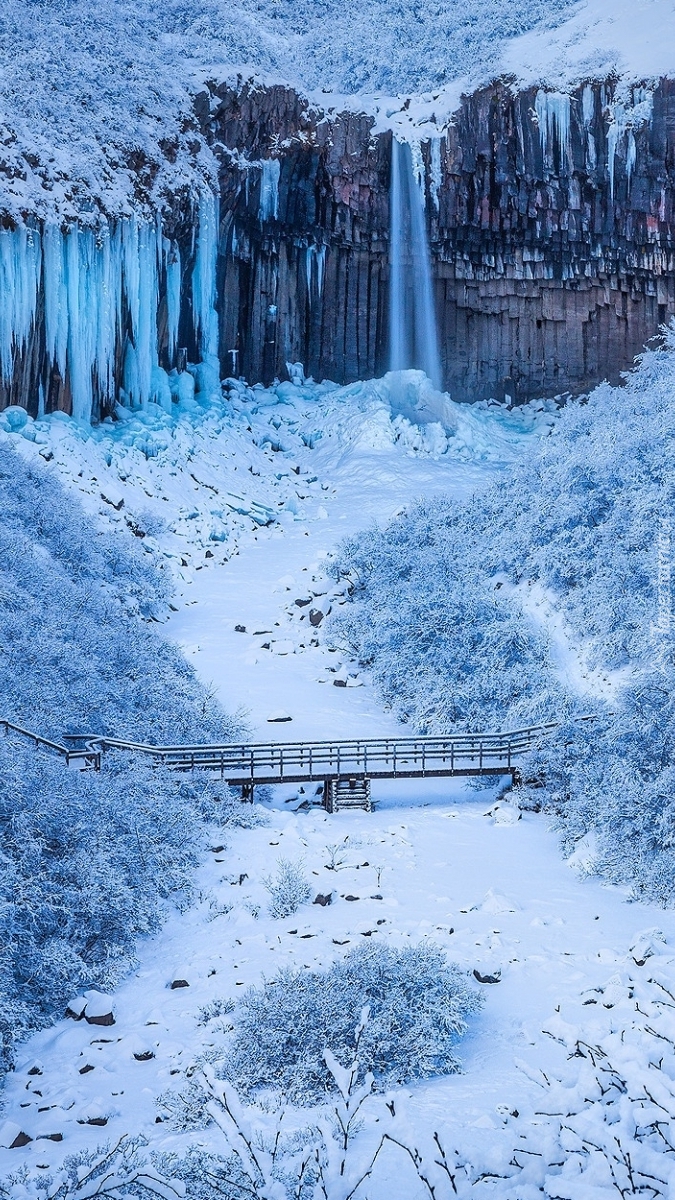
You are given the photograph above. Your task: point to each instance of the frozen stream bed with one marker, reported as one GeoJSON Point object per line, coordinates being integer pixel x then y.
{"type": "Point", "coordinates": [435, 859]}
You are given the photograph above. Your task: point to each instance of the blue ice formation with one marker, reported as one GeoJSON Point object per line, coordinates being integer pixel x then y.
{"type": "Point", "coordinates": [100, 288]}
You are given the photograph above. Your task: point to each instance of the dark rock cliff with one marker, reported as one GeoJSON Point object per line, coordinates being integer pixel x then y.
{"type": "Point", "coordinates": [553, 248]}
{"type": "Point", "coordinates": [551, 225]}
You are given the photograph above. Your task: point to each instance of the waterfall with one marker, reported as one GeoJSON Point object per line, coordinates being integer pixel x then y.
{"type": "Point", "coordinates": [413, 336]}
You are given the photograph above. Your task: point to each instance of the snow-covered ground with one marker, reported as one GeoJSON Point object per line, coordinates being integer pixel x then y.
{"type": "Point", "coordinates": [246, 497]}
{"type": "Point", "coordinates": [246, 500]}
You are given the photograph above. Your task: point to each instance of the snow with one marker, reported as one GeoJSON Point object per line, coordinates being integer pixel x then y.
{"type": "Point", "coordinates": [84, 92]}
{"type": "Point", "coordinates": [269, 481]}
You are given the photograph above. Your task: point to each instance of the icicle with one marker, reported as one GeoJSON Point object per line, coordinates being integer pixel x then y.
{"type": "Point", "coordinates": [588, 105]}
{"type": "Point", "coordinates": [436, 172]}
{"type": "Point", "coordinates": [315, 260]}
{"type": "Point", "coordinates": [269, 189]}
{"type": "Point", "coordinates": [624, 120]}
{"type": "Point", "coordinates": [173, 293]}
{"type": "Point", "coordinates": [553, 116]}
{"type": "Point", "coordinates": [204, 276]}
{"type": "Point", "coordinates": [89, 280]}
{"type": "Point", "coordinates": [20, 272]}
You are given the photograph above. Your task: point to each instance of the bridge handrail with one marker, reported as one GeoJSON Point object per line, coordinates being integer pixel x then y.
{"type": "Point", "coordinates": [66, 752]}
{"type": "Point", "coordinates": [517, 739]}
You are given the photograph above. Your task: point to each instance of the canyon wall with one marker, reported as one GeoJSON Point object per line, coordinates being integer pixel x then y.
{"type": "Point", "coordinates": [551, 227]}
{"type": "Point", "coordinates": [550, 218]}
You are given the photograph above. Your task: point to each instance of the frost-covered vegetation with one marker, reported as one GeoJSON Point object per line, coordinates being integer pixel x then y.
{"type": "Point", "coordinates": [288, 889]}
{"type": "Point", "coordinates": [441, 613]}
{"type": "Point", "coordinates": [418, 1006]}
{"type": "Point", "coordinates": [96, 101]}
{"type": "Point", "coordinates": [88, 859]}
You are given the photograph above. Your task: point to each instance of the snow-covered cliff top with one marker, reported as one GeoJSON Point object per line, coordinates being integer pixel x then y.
{"type": "Point", "coordinates": [96, 101]}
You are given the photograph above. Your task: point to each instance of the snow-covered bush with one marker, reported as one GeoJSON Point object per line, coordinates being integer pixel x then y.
{"type": "Point", "coordinates": [78, 653]}
{"type": "Point", "coordinates": [419, 1004]}
{"type": "Point", "coordinates": [117, 1171]}
{"type": "Point", "coordinates": [442, 613]}
{"type": "Point", "coordinates": [88, 861]}
{"type": "Point", "coordinates": [288, 889]}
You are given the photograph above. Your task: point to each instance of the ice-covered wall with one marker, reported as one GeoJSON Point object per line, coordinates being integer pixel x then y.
{"type": "Point", "coordinates": [551, 218]}
{"type": "Point", "coordinates": [80, 309]}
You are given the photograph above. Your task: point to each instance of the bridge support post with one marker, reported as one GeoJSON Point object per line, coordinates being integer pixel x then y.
{"type": "Point", "coordinates": [247, 793]}
{"type": "Point", "coordinates": [329, 797]}
{"type": "Point", "coordinates": [346, 793]}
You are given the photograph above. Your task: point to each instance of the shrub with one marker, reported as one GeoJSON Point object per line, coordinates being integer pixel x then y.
{"type": "Point", "coordinates": [89, 861]}
{"type": "Point", "coordinates": [288, 889]}
{"type": "Point", "coordinates": [419, 1004]}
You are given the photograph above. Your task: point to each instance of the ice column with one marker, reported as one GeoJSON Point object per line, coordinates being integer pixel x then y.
{"type": "Point", "coordinates": [20, 269]}
{"type": "Point", "coordinates": [553, 116]}
{"type": "Point", "coordinates": [100, 287]}
{"type": "Point", "coordinates": [269, 189]}
{"type": "Point", "coordinates": [204, 275]}
{"type": "Point", "coordinates": [413, 336]}
{"type": "Point", "coordinates": [315, 263]}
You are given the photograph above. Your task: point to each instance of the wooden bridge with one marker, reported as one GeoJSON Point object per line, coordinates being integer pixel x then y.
{"type": "Point", "coordinates": [344, 768]}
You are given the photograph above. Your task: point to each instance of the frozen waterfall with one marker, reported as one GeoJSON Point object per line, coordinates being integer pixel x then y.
{"type": "Point", "coordinates": [413, 336]}
{"type": "Point", "coordinates": [98, 294]}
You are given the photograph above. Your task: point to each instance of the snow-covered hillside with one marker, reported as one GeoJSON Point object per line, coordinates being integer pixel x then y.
{"type": "Point", "coordinates": [96, 103]}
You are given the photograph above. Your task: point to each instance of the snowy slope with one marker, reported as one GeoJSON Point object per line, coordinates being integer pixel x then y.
{"type": "Point", "coordinates": [469, 872]}
{"type": "Point", "coordinates": [96, 102]}
{"type": "Point", "coordinates": [244, 496]}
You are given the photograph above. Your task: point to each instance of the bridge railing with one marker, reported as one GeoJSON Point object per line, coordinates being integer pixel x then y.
{"type": "Point", "coordinates": [85, 756]}
{"type": "Point", "coordinates": [296, 761]}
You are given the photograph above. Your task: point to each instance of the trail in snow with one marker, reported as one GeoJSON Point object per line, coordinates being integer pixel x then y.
{"type": "Point", "coordinates": [435, 859]}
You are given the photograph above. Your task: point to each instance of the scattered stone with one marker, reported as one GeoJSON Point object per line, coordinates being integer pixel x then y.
{"type": "Point", "coordinates": [49, 1137]}
{"type": "Point", "coordinates": [100, 1121]}
{"type": "Point", "coordinates": [75, 1008]}
{"type": "Point", "coordinates": [144, 1056]}
{"type": "Point", "coordinates": [240, 629]}
{"type": "Point", "coordinates": [99, 1009]}
{"type": "Point", "coordinates": [337, 943]}
{"type": "Point", "coordinates": [303, 603]}
{"type": "Point", "coordinates": [315, 617]}
{"type": "Point", "coordinates": [36, 1069]}
{"type": "Point", "coordinates": [217, 849]}
{"type": "Point", "coordinates": [352, 897]}
{"type": "Point", "coordinates": [496, 978]}
{"type": "Point", "coordinates": [324, 901]}
{"type": "Point", "coordinates": [12, 1136]}
{"type": "Point", "coordinates": [279, 718]}
{"type": "Point", "coordinates": [179, 983]}
{"type": "Point", "coordinates": [340, 683]}
{"type": "Point", "coordinates": [86, 1069]}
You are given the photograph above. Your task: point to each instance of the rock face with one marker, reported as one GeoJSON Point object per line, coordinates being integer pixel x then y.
{"type": "Point", "coordinates": [551, 226]}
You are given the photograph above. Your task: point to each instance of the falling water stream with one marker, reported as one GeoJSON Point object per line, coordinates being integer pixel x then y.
{"type": "Point", "coordinates": [413, 336]}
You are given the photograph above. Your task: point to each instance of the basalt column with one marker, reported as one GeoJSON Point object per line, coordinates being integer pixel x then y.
{"type": "Point", "coordinates": [551, 227]}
